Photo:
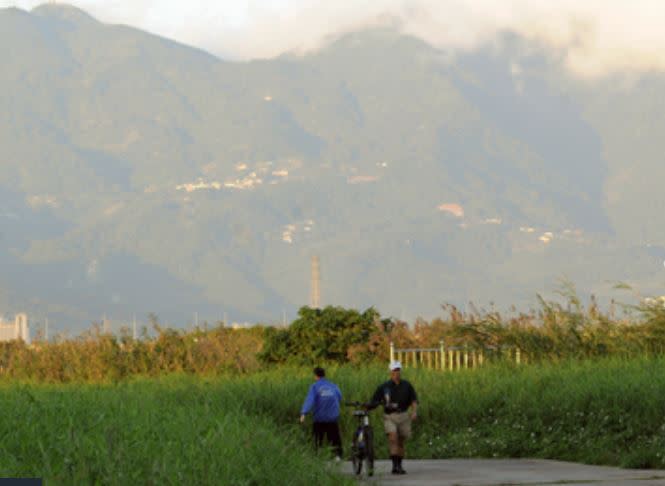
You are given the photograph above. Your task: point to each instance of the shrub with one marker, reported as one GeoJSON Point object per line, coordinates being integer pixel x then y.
{"type": "Point", "coordinates": [320, 335]}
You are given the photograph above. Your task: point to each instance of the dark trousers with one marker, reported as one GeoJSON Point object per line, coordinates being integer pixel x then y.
{"type": "Point", "coordinates": [331, 431]}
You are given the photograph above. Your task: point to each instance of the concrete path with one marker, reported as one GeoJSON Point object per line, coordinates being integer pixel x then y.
{"type": "Point", "coordinates": [505, 472]}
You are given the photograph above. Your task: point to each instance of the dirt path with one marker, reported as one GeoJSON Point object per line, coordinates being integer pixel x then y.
{"type": "Point", "coordinates": [505, 472]}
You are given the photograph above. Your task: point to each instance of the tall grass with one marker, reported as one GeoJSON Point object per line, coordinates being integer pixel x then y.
{"type": "Point", "coordinates": [176, 431]}
{"type": "Point", "coordinates": [605, 411]}
{"type": "Point", "coordinates": [556, 331]}
{"type": "Point", "coordinates": [98, 357]}
{"type": "Point", "coordinates": [244, 429]}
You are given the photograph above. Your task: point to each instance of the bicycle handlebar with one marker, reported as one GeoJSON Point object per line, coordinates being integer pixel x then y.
{"type": "Point", "coordinates": [357, 404]}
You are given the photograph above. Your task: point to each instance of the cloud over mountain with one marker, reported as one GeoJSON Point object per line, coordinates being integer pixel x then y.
{"type": "Point", "coordinates": [594, 38]}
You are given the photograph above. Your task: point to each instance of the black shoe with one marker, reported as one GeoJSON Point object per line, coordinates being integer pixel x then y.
{"type": "Point", "coordinates": [395, 465]}
{"type": "Point", "coordinates": [399, 466]}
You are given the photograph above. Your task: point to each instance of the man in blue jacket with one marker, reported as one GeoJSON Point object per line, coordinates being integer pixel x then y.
{"type": "Point", "coordinates": [323, 400]}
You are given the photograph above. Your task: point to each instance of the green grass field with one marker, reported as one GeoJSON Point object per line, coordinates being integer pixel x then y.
{"type": "Point", "coordinates": [243, 430]}
{"type": "Point", "coordinates": [173, 431]}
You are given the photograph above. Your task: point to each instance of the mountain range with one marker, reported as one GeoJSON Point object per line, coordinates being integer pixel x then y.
{"type": "Point", "coordinates": [141, 175]}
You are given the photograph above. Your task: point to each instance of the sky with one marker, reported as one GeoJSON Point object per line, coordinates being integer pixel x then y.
{"type": "Point", "coordinates": [596, 38]}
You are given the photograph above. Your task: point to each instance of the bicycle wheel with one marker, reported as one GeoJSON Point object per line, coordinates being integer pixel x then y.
{"type": "Point", "coordinates": [356, 460]}
{"type": "Point", "coordinates": [369, 450]}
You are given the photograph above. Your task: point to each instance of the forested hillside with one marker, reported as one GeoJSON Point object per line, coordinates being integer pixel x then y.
{"type": "Point", "coordinates": [139, 175]}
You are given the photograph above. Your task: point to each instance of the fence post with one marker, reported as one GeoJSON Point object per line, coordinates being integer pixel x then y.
{"type": "Point", "coordinates": [442, 350]}
{"type": "Point", "coordinates": [466, 357]}
{"type": "Point", "coordinates": [450, 360]}
{"type": "Point", "coordinates": [518, 356]}
{"type": "Point", "coordinates": [392, 351]}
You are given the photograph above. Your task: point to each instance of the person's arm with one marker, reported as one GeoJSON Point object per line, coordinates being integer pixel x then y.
{"type": "Point", "coordinates": [377, 398]}
{"type": "Point", "coordinates": [414, 410]}
{"type": "Point", "coordinates": [308, 405]}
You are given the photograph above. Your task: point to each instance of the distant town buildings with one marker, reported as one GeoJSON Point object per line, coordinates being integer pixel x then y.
{"type": "Point", "coordinates": [15, 330]}
{"type": "Point", "coordinates": [546, 237]}
{"type": "Point", "coordinates": [361, 179]}
{"type": "Point", "coordinates": [452, 208]}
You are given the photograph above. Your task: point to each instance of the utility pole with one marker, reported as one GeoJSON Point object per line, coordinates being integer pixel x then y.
{"type": "Point", "coordinates": [46, 329]}
{"type": "Point", "coordinates": [196, 320]}
{"type": "Point", "coordinates": [315, 296]}
{"type": "Point", "coordinates": [134, 328]}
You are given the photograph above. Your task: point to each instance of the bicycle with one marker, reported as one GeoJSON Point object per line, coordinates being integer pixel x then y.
{"type": "Point", "coordinates": [362, 446]}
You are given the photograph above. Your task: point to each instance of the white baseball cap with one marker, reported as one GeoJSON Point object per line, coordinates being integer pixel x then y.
{"type": "Point", "coordinates": [395, 365]}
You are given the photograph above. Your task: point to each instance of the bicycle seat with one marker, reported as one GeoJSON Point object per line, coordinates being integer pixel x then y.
{"type": "Point", "coordinates": [359, 413]}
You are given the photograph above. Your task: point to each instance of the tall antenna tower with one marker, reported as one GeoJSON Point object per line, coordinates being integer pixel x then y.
{"type": "Point", "coordinates": [315, 296]}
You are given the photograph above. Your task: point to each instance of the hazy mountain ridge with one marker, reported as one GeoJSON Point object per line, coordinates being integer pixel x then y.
{"type": "Point", "coordinates": [199, 184]}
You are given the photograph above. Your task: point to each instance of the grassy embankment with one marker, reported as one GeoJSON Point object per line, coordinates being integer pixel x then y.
{"type": "Point", "coordinates": [243, 430]}
{"type": "Point", "coordinates": [608, 411]}
{"type": "Point", "coordinates": [169, 431]}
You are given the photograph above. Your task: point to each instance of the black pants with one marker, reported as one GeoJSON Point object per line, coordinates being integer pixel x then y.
{"type": "Point", "coordinates": [331, 431]}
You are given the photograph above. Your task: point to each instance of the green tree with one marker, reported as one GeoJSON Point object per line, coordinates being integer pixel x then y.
{"type": "Point", "coordinates": [320, 335]}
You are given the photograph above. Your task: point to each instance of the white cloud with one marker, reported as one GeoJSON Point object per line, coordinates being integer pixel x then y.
{"type": "Point", "coordinates": [597, 37]}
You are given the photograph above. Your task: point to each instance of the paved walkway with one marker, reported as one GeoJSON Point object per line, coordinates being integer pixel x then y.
{"type": "Point", "coordinates": [505, 472]}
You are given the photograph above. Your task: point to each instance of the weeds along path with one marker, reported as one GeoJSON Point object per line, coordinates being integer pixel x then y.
{"type": "Point", "coordinates": [243, 429]}
{"type": "Point", "coordinates": [173, 431]}
{"type": "Point", "coordinates": [605, 411]}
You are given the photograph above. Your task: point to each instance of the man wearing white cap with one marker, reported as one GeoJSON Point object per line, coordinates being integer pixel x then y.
{"type": "Point", "coordinates": [396, 396]}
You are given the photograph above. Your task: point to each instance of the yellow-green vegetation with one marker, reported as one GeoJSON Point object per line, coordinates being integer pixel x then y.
{"type": "Point", "coordinates": [221, 406]}
{"type": "Point", "coordinates": [173, 431]}
{"type": "Point", "coordinates": [607, 411]}
{"type": "Point", "coordinates": [244, 430]}
{"type": "Point", "coordinates": [336, 335]}
{"type": "Point", "coordinates": [97, 357]}
{"type": "Point", "coordinates": [602, 411]}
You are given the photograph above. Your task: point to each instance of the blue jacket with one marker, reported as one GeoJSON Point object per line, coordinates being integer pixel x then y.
{"type": "Point", "coordinates": [323, 400]}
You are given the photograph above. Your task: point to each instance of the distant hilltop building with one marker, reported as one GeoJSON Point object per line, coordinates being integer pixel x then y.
{"type": "Point", "coordinates": [452, 208]}
{"type": "Point", "coordinates": [15, 330]}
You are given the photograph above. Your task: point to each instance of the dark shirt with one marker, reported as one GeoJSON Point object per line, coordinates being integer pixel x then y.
{"type": "Point", "coordinates": [399, 397]}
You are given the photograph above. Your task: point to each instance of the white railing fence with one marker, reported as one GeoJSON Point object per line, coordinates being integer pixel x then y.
{"type": "Point", "coordinates": [453, 357]}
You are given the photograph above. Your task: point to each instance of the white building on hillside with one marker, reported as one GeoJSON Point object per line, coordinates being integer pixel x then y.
{"type": "Point", "coordinates": [15, 330]}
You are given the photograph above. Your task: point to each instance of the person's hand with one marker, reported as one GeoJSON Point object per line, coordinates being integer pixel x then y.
{"type": "Point", "coordinates": [414, 415]}
{"type": "Point", "coordinates": [302, 419]}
